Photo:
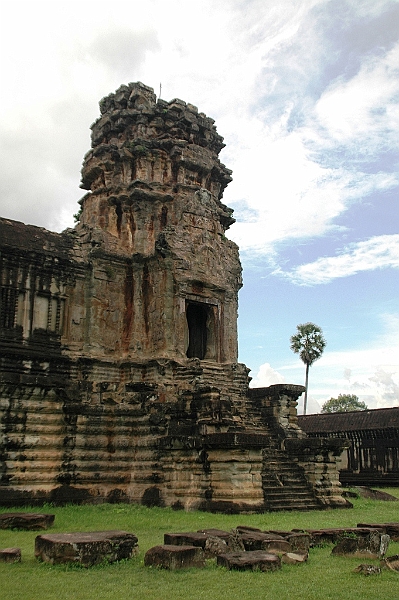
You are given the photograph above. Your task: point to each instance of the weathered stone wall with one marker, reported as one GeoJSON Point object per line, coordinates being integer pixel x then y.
{"type": "Point", "coordinates": [119, 378]}
{"type": "Point", "coordinates": [372, 455]}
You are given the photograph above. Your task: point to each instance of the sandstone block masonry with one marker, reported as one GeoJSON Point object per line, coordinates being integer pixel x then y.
{"type": "Point", "coordinates": [118, 339]}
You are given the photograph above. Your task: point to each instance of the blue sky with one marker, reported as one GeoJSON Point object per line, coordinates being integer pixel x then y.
{"type": "Point", "coordinates": [305, 94]}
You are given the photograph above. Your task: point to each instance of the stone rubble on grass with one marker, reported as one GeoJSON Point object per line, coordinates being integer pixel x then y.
{"type": "Point", "coordinates": [299, 542]}
{"type": "Point", "coordinates": [333, 535]}
{"type": "Point", "coordinates": [10, 555]}
{"type": "Point", "coordinates": [392, 529]}
{"type": "Point", "coordinates": [219, 533]}
{"type": "Point", "coordinates": [235, 542]}
{"type": "Point", "coordinates": [27, 521]}
{"type": "Point", "coordinates": [242, 548]}
{"type": "Point", "coordinates": [392, 562]}
{"type": "Point", "coordinates": [190, 538]}
{"type": "Point", "coordinates": [247, 546]}
{"type": "Point", "coordinates": [174, 557]}
{"type": "Point", "coordinates": [373, 546]}
{"type": "Point", "coordinates": [259, 540]}
{"type": "Point", "coordinates": [87, 549]}
{"type": "Point", "coordinates": [368, 570]}
{"type": "Point", "coordinates": [215, 546]}
{"type": "Point", "coordinates": [244, 540]}
{"type": "Point", "coordinates": [249, 561]}
{"type": "Point", "coordinates": [384, 543]}
{"type": "Point", "coordinates": [292, 558]}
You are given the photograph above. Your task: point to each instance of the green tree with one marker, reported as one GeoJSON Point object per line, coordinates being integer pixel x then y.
{"type": "Point", "coordinates": [309, 343]}
{"type": "Point", "coordinates": [344, 403]}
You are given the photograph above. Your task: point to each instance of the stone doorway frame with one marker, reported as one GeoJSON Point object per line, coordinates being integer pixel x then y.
{"type": "Point", "coordinates": [206, 329]}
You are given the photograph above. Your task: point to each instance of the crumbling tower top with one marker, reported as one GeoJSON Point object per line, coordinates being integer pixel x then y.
{"type": "Point", "coordinates": [142, 147]}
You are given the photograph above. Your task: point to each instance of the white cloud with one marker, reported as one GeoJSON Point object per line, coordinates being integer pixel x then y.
{"type": "Point", "coordinates": [375, 253]}
{"type": "Point", "coordinates": [300, 179]}
{"type": "Point", "coordinates": [366, 106]}
{"type": "Point", "coordinates": [122, 50]}
{"type": "Point", "coordinates": [267, 376]}
{"type": "Point", "coordinates": [388, 385]}
{"type": "Point", "coordinates": [313, 173]}
{"type": "Point", "coordinates": [299, 201]}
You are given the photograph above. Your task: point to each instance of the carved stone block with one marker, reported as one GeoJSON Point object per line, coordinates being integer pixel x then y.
{"type": "Point", "coordinates": [86, 549]}
{"type": "Point", "coordinates": [10, 555]}
{"type": "Point", "coordinates": [256, 560]}
{"type": "Point", "coordinates": [28, 521]}
{"type": "Point", "coordinates": [174, 557]}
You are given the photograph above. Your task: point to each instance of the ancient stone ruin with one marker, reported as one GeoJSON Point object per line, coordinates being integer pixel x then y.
{"type": "Point", "coordinates": [87, 549]}
{"type": "Point", "coordinates": [248, 548]}
{"type": "Point", "coordinates": [372, 457]}
{"type": "Point", "coordinates": [118, 339]}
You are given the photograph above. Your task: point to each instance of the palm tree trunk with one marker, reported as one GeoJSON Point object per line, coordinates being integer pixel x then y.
{"type": "Point", "coordinates": [305, 403]}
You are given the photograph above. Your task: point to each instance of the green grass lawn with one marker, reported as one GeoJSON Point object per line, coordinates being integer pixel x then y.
{"type": "Point", "coordinates": [322, 577]}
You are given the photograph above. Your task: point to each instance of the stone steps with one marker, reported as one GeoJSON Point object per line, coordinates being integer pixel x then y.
{"type": "Point", "coordinates": [290, 499]}
{"type": "Point", "coordinates": [285, 486]}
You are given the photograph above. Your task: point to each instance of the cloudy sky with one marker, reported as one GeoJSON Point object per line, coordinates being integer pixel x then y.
{"type": "Point", "coordinates": [305, 93]}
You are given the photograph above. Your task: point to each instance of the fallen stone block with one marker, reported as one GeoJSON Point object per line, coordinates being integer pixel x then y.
{"type": "Point", "coordinates": [392, 529]}
{"type": "Point", "coordinates": [368, 570]}
{"type": "Point", "coordinates": [234, 542]}
{"type": "Point", "coordinates": [276, 546]}
{"type": "Point", "coordinates": [10, 555]}
{"type": "Point", "coordinates": [384, 544]}
{"type": "Point", "coordinates": [257, 540]}
{"type": "Point", "coordinates": [174, 557]}
{"type": "Point", "coordinates": [28, 521]}
{"type": "Point", "coordinates": [252, 539]}
{"type": "Point", "coordinates": [292, 558]}
{"type": "Point", "coordinates": [246, 528]}
{"type": "Point", "coordinates": [374, 546]}
{"type": "Point", "coordinates": [256, 560]}
{"type": "Point", "coordinates": [87, 549]}
{"type": "Point", "coordinates": [215, 546]}
{"type": "Point", "coordinates": [190, 538]}
{"type": "Point", "coordinates": [212, 541]}
{"type": "Point", "coordinates": [220, 533]}
{"type": "Point", "coordinates": [392, 562]}
{"type": "Point", "coordinates": [319, 537]}
{"type": "Point", "coordinates": [298, 540]}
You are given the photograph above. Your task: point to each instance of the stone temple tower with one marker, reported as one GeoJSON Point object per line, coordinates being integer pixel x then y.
{"type": "Point", "coordinates": [119, 378]}
{"type": "Point", "coordinates": [156, 184]}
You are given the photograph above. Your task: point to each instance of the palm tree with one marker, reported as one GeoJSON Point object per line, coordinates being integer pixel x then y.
{"type": "Point", "coordinates": [309, 343]}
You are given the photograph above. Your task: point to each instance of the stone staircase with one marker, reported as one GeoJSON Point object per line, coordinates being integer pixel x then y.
{"type": "Point", "coordinates": [284, 484]}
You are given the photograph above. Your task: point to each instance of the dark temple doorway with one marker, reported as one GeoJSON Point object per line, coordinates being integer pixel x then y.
{"type": "Point", "coordinates": [197, 317]}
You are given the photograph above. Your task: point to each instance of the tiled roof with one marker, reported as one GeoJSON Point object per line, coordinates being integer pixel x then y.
{"type": "Point", "coordinates": [380, 418]}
